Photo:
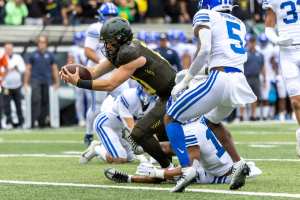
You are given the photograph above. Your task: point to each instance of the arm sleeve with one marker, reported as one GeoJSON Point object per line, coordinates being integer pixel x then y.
{"type": "Point", "coordinates": [202, 18]}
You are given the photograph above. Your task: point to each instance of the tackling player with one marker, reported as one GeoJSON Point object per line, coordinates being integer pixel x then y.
{"type": "Point", "coordinates": [134, 60]}
{"type": "Point", "coordinates": [221, 47]}
{"type": "Point", "coordinates": [114, 125]}
{"type": "Point", "coordinates": [286, 14]}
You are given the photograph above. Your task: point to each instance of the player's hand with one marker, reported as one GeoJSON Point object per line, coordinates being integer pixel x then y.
{"type": "Point", "coordinates": [285, 41]}
{"type": "Point", "coordinates": [69, 77]}
{"type": "Point", "coordinates": [179, 88]}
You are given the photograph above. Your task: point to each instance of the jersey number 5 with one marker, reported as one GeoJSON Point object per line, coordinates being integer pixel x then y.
{"type": "Point", "coordinates": [292, 15]}
{"type": "Point", "coordinates": [237, 48]}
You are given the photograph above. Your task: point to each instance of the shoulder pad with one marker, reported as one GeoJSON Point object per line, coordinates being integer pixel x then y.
{"type": "Point", "coordinates": [127, 53]}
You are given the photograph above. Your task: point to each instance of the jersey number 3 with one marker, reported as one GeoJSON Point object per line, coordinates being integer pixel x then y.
{"type": "Point", "coordinates": [292, 15]}
{"type": "Point", "coordinates": [237, 48]}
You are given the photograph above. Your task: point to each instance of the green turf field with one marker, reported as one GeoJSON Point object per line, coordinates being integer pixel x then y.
{"type": "Point", "coordinates": [51, 156]}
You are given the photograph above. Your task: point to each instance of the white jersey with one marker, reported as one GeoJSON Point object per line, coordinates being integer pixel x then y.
{"type": "Point", "coordinates": [268, 52]}
{"type": "Point", "coordinates": [228, 38]}
{"type": "Point", "coordinates": [128, 105]}
{"type": "Point", "coordinates": [92, 40]}
{"type": "Point", "coordinates": [214, 159]}
{"type": "Point", "coordinates": [288, 17]}
{"type": "Point", "coordinates": [79, 56]}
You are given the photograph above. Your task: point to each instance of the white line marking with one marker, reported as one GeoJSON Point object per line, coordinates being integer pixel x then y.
{"type": "Point", "coordinates": [266, 143]}
{"type": "Point", "coordinates": [265, 194]}
{"type": "Point", "coordinates": [40, 142]}
{"type": "Point", "coordinates": [41, 155]}
{"type": "Point", "coordinates": [263, 146]}
{"type": "Point", "coordinates": [38, 156]}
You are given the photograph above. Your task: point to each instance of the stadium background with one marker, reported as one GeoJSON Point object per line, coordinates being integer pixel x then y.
{"type": "Point", "coordinates": [60, 20]}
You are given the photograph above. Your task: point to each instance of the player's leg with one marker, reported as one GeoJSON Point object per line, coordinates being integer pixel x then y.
{"type": "Point", "coordinates": [240, 168]}
{"type": "Point", "coordinates": [291, 74]}
{"type": "Point", "coordinates": [144, 130]}
{"type": "Point", "coordinates": [97, 98]}
{"type": "Point", "coordinates": [192, 103]}
{"type": "Point", "coordinates": [265, 90]}
{"type": "Point", "coordinates": [79, 104]}
{"type": "Point", "coordinates": [110, 139]}
{"type": "Point", "coordinates": [282, 94]}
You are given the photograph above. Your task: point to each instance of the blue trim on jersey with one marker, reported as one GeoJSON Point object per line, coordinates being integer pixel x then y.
{"type": "Point", "coordinates": [192, 96]}
{"type": "Point", "coordinates": [93, 34]}
{"type": "Point", "coordinates": [200, 21]}
{"type": "Point", "coordinates": [123, 100]}
{"type": "Point", "coordinates": [109, 146]}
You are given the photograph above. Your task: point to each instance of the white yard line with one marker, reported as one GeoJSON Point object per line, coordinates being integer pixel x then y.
{"type": "Point", "coordinates": [40, 141]}
{"type": "Point", "coordinates": [263, 194]}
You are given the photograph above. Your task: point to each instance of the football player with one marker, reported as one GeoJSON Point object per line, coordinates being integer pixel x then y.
{"type": "Point", "coordinates": [134, 60]}
{"type": "Point", "coordinates": [93, 52]}
{"type": "Point", "coordinates": [286, 14]}
{"type": "Point", "coordinates": [221, 48]}
{"type": "Point", "coordinates": [115, 123]}
{"type": "Point", "coordinates": [214, 166]}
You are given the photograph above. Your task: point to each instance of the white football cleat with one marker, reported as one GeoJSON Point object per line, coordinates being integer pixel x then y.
{"type": "Point", "coordinates": [240, 171]}
{"type": "Point", "coordinates": [89, 153]}
{"type": "Point", "coordinates": [298, 142]}
{"type": "Point", "coordinates": [188, 175]}
{"type": "Point", "coordinates": [254, 171]}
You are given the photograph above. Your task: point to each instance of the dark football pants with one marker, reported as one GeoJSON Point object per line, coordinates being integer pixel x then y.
{"type": "Point", "coordinates": [145, 129]}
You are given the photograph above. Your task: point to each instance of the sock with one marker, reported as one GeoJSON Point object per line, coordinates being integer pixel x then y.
{"type": "Point", "coordinates": [101, 152]}
{"type": "Point", "coordinates": [176, 138]}
{"type": "Point", "coordinates": [152, 147]}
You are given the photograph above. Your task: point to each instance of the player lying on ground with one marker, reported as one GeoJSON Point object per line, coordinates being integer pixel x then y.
{"type": "Point", "coordinates": [113, 127]}
{"type": "Point", "coordinates": [214, 164]}
{"type": "Point", "coordinates": [134, 60]}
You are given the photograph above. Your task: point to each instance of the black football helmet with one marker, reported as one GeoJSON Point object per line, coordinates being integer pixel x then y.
{"type": "Point", "coordinates": [114, 33]}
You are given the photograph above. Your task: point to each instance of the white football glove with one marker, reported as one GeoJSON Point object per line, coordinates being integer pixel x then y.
{"type": "Point", "coordinates": [147, 169]}
{"type": "Point", "coordinates": [285, 41]}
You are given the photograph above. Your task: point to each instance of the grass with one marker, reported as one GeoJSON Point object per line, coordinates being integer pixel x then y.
{"type": "Point", "coordinates": [277, 141]}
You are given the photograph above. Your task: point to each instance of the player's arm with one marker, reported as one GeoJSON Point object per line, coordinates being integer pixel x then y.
{"type": "Point", "coordinates": [204, 45]}
{"type": "Point", "coordinates": [91, 54]}
{"type": "Point", "coordinates": [100, 69]}
{"type": "Point", "coordinates": [270, 23]}
{"type": "Point", "coordinates": [119, 76]}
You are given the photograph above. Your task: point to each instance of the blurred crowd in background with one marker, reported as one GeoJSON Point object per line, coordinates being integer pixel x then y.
{"type": "Point", "coordinates": [75, 12]}
{"type": "Point", "coordinates": [39, 69]}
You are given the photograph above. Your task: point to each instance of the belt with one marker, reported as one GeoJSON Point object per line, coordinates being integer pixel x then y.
{"type": "Point", "coordinates": [227, 69]}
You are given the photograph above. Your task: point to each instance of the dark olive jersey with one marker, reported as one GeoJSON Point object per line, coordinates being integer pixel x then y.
{"type": "Point", "coordinates": [156, 76]}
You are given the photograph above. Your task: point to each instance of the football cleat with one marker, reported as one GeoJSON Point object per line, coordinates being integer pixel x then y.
{"type": "Point", "coordinates": [137, 149]}
{"type": "Point", "coordinates": [240, 170]}
{"type": "Point", "coordinates": [298, 142]}
{"type": "Point", "coordinates": [89, 153]}
{"type": "Point", "coordinates": [254, 171]}
{"type": "Point", "coordinates": [116, 176]}
{"type": "Point", "coordinates": [88, 139]}
{"type": "Point", "coordinates": [187, 177]}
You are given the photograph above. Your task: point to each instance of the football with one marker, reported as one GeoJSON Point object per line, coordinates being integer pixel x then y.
{"type": "Point", "coordinates": [83, 72]}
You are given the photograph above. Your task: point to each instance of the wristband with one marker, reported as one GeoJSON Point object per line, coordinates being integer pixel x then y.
{"type": "Point", "coordinates": [85, 84]}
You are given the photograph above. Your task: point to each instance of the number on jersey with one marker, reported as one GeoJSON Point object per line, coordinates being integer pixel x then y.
{"type": "Point", "coordinates": [292, 14]}
{"type": "Point", "coordinates": [232, 28]}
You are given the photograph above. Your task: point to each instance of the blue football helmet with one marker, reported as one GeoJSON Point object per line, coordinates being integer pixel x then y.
{"type": "Point", "coordinates": [79, 38]}
{"type": "Point", "coordinates": [216, 5]}
{"type": "Point", "coordinates": [107, 10]}
{"type": "Point", "coordinates": [144, 97]}
{"type": "Point", "coordinates": [263, 40]}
